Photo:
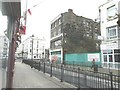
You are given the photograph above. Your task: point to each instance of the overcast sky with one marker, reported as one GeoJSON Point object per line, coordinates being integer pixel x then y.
{"type": "Point", "coordinates": [39, 22]}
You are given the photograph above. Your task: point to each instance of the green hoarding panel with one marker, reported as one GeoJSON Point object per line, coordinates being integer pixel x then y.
{"type": "Point", "coordinates": [81, 58]}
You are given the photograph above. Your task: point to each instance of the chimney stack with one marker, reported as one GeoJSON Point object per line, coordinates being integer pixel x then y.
{"type": "Point", "coordinates": [70, 10]}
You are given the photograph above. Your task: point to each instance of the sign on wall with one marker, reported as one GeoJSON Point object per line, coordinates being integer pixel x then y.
{"type": "Point", "coordinates": [109, 46]}
{"type": "Point", "coordinates": [96, 57]}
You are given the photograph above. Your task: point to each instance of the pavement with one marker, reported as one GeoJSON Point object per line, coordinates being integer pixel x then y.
{"type": "Point", "coordinates": [25, 77]}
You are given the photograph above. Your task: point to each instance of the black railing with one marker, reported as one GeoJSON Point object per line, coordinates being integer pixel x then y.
{"type": "Point", "coordinates": [78, 76]}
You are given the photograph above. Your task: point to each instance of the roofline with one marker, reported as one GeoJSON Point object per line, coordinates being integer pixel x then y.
{"type": "Point", "coordinates": [104, 4]}
{"type": "Point", "coordinates": [56, 18]}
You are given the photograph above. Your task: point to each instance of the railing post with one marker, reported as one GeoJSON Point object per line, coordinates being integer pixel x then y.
{"type": "Point", "coordinates": [119, 79]}
{"type": "Point", "coordinates": [44, 67]}
{"type": "Point", "coordinates": [31, 63]}
{"type": "Point", "coordinates": [78, 77]}
{"type": "Point", "coordinates": [118, 75]}
{"type": "Point", "coordinates": [34, 64]}
{"type": "Point", "coordinates": [62, 72]}
{"type": "Point", "coordinates": [85, 78]}
{"type": "Point", "coordinates": [111, 79]}
{"type": "Point", "coordinates": [51, 70]}
{"type": "Point", "coordinates": [39, 66]}
{"type": "Point", "coordinates": [73, 64]}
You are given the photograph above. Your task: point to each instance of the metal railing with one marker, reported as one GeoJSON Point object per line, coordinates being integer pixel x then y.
{"type": "Point", "coordinates": [77, 76]}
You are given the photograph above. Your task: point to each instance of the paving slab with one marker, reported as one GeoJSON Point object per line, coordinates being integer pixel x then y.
{"type": "Point", "coordinates": [27, 77]}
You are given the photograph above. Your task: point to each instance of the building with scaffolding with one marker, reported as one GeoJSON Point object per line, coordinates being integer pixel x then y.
{"type": "Point", "coordinates": [4, 47]}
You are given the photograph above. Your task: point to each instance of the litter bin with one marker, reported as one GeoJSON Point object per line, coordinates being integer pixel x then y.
{"type": "Point", "coordinates": [95, 68]}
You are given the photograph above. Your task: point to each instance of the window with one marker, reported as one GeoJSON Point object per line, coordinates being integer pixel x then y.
{"type": "Point", "coordinates": [5, 44]}
{"type": "Point", "coordinates": [104, 51]}
{"type": "Point", "coordinates": [30, 45]}
{"type": "Point", "coordinates": [30, 50]}
{"type": "Point", "coordinates": [117, 51]}
{"type": "Point", "coordinates": [37, 50]}
{"type": "Point", "coordinates": [117, 55]}
{"type": "Point", "coordinates": [84, 22]}
{"type": "Point", "coordinates": [55, 23]}
{"type": "Point", "coordinates": [105, 58]}
{"type": "Point", "coordinates": [59, 30]}
{"type": "Point", "coordinates": [59, 20]}
{"type": "Point", "coordinates": [54, 33]}
{"type": "Point", "coordinates": [117, 58]}
{"type": "Point", "coordinates": [110, 58]}
{"type": "Point", "coordinates": [110, 51]}
{"type": "Point", "coordinates": [111, 12]}
{"type": "Point", "coordinates": [5, 39]}
{"type": "Point", "coordinates": [108, 55]}
{"type": "Point", "coordinates": [112, 32]}
{"type": "Point", "coordinates": [57, 44]}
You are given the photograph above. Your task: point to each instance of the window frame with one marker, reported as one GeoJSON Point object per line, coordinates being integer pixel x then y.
{"type": "Point", "coordinates": [111, 12]}
{"type": "Point", "coordinates": [110, 32]}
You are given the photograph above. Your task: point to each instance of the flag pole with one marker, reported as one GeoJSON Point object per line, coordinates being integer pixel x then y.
{"type": "Point", "coordinates": [26, 14]}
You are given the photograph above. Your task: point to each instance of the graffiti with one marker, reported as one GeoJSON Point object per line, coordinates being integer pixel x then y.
{"type": "Point", "coordinates": [54, 58]}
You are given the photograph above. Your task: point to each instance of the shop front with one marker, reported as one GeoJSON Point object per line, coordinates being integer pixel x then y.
{"type": "Point", "coordinates": [110, 56]}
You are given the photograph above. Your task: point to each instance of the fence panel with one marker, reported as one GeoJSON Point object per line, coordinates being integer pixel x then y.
{"type": "Point", "coordinates": [56, 71]}
{"type": "Point", "coordinates": [78, 76]}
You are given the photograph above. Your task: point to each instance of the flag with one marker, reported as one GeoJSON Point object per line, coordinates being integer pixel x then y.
{"type": "Point", "coordinates": [22, 30]}
{"type": "Point", "coordinates": [29, 11]}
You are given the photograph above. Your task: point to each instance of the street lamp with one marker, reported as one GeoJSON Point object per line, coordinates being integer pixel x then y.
{"type": "Point", "coordinates": [22, 50]}
{"type": "Point", "coordinates": [32, 37]}
{"type": "Point", "coordinates": [43, 52]}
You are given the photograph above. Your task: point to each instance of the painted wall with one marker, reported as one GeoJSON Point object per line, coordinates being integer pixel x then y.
{"type": "Point", "coordinates": [83, 59]}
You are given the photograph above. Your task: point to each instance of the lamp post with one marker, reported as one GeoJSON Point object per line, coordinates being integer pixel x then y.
{"type": "Point", "coordinates": [22, 51]}
{"type": "Point", "coordinates": [22, 55]}
{"type": "Point", "coordinates": [32, 37]}
{"type": "Point", "coordinates": [43, 52]}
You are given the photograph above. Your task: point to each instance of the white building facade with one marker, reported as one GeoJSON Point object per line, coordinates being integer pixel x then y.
{"type": "Point", "coordinates": [110, 33]}
{"type": "Point", "coordinates": [4, 47]}
{"type": "Point", "coordinates": [31, 48]}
